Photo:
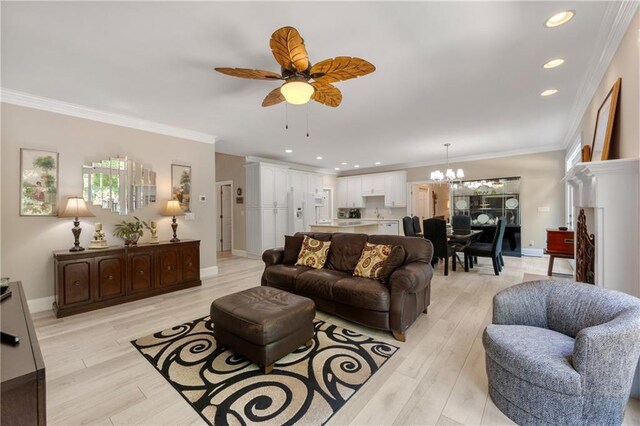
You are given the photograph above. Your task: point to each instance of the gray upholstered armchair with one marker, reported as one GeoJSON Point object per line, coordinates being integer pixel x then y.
{"type": "Point", "coordinates": [562, 353]}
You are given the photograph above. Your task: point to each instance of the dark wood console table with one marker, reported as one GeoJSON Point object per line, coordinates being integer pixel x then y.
{"type": "Point", "coordinates": [23, 399]}
{"type": "Point", "coordinates": [94, 279]}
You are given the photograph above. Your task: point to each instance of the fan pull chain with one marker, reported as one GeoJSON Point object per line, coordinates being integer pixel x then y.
{"type": "Point", "coordinates": [286, 116]}
{"type": "Point", "coordinates": [307, 119]}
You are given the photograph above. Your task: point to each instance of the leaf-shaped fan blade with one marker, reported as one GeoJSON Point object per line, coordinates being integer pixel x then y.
{"type": "Point", "coordinates": [340, 68]}
{"type": "Point", "coordinates": [326, 94]}
{"type": "Point", "coordinates": [249, 73]}
{"type": "Point", "coordinates": [274, 97]}
{"type": "Point", "coordinates": [288, 48]}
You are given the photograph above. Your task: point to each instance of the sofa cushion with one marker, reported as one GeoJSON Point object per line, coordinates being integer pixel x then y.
{"type": "Point", "coordinates": [393, 262]}
{"type": "Point", "coordinates": [345, 251]}
{"type": "Point", "coordinates": [418, 249]}
{"type": "Point", "coordinates": [372, 260]}
{"type": "Point", "coordinates": [292, 247]}
{"type": "Point", "coordinates": [362, 293]}
{"type": "Point", "coordinates": [536, 355]}
{"type": "Point", "coordinates": [319, 282]}
{"type": "Point", "coordinates": [284, 276]}
{"type": "Point", "coordinates": [314, 253]}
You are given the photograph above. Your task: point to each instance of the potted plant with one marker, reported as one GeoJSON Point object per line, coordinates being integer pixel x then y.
{"type": "Point", "coordinates": [130, 231]}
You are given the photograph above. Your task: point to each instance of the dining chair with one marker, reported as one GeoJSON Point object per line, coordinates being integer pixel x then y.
{"type": "Point", "coordinates": [407, 225]}
{"type": "Point", "coordinates": [461, 223]}
{"type": "Point", "coordinates": [435, 230]}
{"type": "Point", "coordinates": [492, 250]}
{"type": "Point", "coordinates": [416, 226]}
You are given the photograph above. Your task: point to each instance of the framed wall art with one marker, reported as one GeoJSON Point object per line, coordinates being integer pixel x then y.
{"type": "Point", "coordinates": [38, 183]}
{"type": "Point", "coordinates": [181, 185]}
{"type": "Point", "coordinates": [604, 124]}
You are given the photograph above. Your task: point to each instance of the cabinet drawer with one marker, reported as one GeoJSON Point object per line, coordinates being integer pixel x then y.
{"type": "Point", "coordinates": [76, 282]}
{"type": "Point", "coordinates": [560, 241]}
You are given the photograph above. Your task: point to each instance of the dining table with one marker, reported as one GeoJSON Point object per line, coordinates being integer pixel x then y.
{"type": "Point", "coordinates": [462, 238]}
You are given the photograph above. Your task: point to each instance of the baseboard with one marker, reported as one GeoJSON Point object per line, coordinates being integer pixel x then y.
{"type": "Point", "coordinates": [241, 253]}
{"type": "Point", "coordinates": [40, 305]}
{"type": "Point", "coordinates": [535, 252]}
{"type": "Point", "coordinates": [209, 272]}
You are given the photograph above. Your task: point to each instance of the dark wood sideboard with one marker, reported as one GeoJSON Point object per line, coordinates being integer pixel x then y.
{"type": "Point", "coordinates": [23, 400]}
{"type": "Point", "coordinates": [94, 279]}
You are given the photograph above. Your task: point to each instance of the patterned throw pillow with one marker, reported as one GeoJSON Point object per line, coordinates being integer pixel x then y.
{"type": "Point", "coordinates": [313, 253]}
{"type": "Point", "coordinates": [372, 260]}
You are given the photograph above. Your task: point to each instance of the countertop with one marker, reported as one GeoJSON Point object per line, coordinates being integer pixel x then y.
{"type": "Point", "coordinates": [354, 223]}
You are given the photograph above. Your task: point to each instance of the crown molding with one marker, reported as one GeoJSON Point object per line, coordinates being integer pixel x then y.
{"type": "Point", "coordinates": [294, 166]}
{"type": "Point", "coordinates": [442, 161]}
{"type": "Point", "coordinates": [615, 23]}
{"type": "Point", "coordinates": [52, 105]}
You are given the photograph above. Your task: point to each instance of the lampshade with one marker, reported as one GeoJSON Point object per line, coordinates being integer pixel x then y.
{"type": "Point", "coordinates": [173, 208]}
{"type": "Point", "coordinates": [76, 207]}
{"type": "Point", "coordinates": [450, 175]}
{"type": "Point", "coordinates": [297, 92]}
{"type": "Point", "coordinates": [460, 173]}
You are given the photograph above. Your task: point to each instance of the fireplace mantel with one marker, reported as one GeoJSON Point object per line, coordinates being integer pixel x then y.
{"type": "Point", "coordinates": [608, 191]}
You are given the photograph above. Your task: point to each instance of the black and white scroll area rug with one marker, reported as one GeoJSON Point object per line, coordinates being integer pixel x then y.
{"type": "Point", "coordinates": [306, 387]}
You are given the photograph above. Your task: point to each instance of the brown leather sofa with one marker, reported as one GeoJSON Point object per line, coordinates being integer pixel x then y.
{"type": "Point", "coordinates": [393, 306]}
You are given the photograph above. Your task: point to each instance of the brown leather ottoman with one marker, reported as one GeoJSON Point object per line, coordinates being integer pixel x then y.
{"type": "Point", "coordinates": [263, 324]}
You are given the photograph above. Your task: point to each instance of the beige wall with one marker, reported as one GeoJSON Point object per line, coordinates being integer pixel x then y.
{"type": "Point", "coordinates": [626, 133]}
{"type": "Point", "coordinates": [231, 167]}
{"type": "Point", "coordinates": [28, 242]}
{"type": "Point", "coordinates": [540, 187]}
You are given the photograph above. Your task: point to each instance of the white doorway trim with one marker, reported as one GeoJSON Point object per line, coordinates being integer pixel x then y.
{"type": "Point", "coordinates": [217, 209]}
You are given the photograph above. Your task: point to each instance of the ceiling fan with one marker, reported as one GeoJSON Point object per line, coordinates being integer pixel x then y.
{"type": "Point", "coordinates": [303, 81]}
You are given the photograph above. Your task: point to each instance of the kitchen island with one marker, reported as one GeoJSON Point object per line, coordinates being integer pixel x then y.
{"type": "Point", "coordinates": [357, 226]}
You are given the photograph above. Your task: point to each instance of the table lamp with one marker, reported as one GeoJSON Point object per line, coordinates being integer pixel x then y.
{"type": "Point", "coordinates": [174, 209]}
{"type": "Point", "coordinates": [76, 208]}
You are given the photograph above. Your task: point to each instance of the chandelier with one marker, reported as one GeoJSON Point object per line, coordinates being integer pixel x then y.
{"type": "Point", "coordinates": [449, 175]}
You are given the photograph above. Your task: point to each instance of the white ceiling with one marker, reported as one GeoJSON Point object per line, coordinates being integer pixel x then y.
{"type": "Point", "coordinates": [466, 73]}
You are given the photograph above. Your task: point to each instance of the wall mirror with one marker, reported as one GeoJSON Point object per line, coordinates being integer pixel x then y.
{"type": "Point", "coordinates": [118, 184]}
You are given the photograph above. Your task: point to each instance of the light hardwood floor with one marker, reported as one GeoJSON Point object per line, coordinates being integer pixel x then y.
{"type": "Point", "coordinates": [95, 376]}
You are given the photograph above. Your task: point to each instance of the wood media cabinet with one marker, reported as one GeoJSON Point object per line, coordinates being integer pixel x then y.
{"type": "Point", "coordinates": [94, 279]}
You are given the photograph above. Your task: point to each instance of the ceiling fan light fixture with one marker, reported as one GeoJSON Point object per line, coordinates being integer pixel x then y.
{"type": "Point", "coordinates": [297, 92]}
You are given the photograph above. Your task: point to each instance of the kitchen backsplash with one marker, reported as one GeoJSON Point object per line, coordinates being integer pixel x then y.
{"type": "Point", "coordinates": [375, 205]}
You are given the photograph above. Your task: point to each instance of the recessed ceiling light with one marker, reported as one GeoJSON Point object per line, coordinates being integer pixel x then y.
{"type": "Point", "coordinates": [554, 63]}
{"type": "Point", "coordinates": [318, 158]}
{"type": "Point", "coordinates": [288, 151]}
{"type": "Point", "coordinates": [549, 92]}
{"type": "Point", "coordinates": [356, 166]}
{"type": "Point", "coordinates": [336, 168]}
{"type": "Point", "coordinates": [559, 19]}
{"type": "Point", "coordinates": [344, 164]}
{"type": "Point", "coordinates": [377, 163]}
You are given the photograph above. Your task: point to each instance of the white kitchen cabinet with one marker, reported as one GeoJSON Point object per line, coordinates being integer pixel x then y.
{"type": "Point", "coordinates": [355, 192]}
{"type": "Point", "coordinates": [316, 185]}
{"type": "Point", "coordinates": [343, 192]}
{"type": "Point", "coordinates": [267, 187]}
{"type": "Point", "coordinates": [373, 185]}
{"type": "Point", "coordinates": [350, 192]}
{"type": "Point", "coordinates": [395, 189]}
{"type": "Point", "coordinates": [388, 228]}
{"type": "Point", "coordinates": [298, 181]}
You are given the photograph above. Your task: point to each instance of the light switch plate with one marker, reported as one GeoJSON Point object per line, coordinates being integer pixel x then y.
{"type": "Point", "coordinates": [544, 209]}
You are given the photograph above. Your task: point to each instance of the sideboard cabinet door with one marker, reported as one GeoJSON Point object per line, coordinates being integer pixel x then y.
{"type": "Point", "coordinates": [190, 262]}
{"type": "Point", "coordinates": [140, 272]}
{"type": "Point", "coordinates": [169, 266]}
{"type": "Point", "coordinates": [74, 282]}
{"type": "Point", "coordinates": [110, 277]}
